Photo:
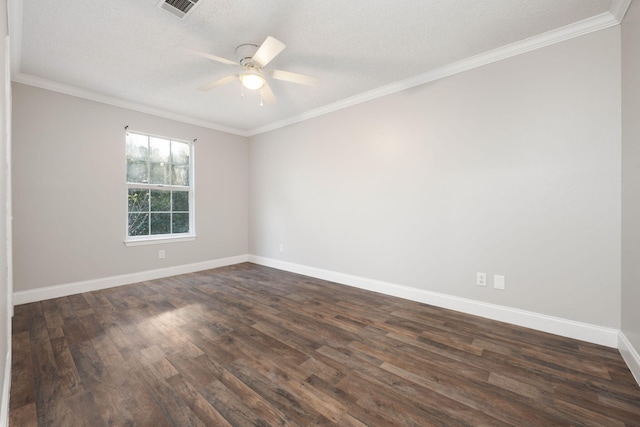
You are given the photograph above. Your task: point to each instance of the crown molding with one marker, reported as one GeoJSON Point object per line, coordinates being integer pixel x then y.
{"type": "Point", "coordinates": [117, 102]}
{"type": "Point", "coordinates": [619, 9]}
{"type": "Point", "coordinates": [586, 26]}
{"type": "Point", "coordinates": [599, 22]}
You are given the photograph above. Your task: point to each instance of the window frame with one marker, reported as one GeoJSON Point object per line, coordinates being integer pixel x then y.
{"type": "Point", "coordinates": [151, 239]}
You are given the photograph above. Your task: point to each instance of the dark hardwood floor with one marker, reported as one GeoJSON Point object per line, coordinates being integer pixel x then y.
{"type": "Point", "coordinates": [249, 345]}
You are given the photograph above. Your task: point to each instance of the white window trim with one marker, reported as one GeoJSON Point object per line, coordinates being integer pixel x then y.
{"type": "Point", "coordinates": [155, 239]}
{"type": "Point", "coordinates": [159, 238]}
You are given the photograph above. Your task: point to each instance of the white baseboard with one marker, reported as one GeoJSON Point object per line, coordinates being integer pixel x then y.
{"type": "Point", "coordinates": [541, 322]}
{"type": "Point", "coordinates": [568, 328]}
{"type": "Point", "coordinates": [6, 389]}
{"type": "Point", "coordinates": [555, 325]}
{"type": "Point", "coordinates": [630, 356]}
{"type": "Point", "coordinates": [41, 294]}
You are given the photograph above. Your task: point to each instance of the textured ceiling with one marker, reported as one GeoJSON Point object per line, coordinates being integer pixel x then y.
{"type": "Point", "coordinates": [131, 50]}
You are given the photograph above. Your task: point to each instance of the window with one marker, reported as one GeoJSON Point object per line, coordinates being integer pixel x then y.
{"type": "Point", "coordinates": [159, 189]}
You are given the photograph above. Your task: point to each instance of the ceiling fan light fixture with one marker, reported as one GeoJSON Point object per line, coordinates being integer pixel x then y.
{"type": "Point", "coordinates": [252, 81]}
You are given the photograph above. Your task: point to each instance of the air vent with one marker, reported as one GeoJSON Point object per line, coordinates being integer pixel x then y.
{"type": "Point", "coordinates": [179, 8]}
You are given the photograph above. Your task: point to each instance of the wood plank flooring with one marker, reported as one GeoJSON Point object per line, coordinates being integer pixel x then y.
{"type": "Point", "coordinates": [247, 345]}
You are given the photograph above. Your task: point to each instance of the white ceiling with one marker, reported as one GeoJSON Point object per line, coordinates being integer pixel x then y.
{"type": "Point", "coordinates": [129, 52]}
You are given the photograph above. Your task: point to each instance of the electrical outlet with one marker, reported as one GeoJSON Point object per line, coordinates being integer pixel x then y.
{"type": "Point", "coordinates": [161, 253]}
{"type": "Point", "coordinates": [481, 279]}
{"type": "Point", "coordinates": [498, 281]}
{"type": "Point", "coordinates": [281, 247]}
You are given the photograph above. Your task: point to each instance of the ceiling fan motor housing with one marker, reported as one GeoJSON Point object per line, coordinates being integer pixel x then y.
{"type": "Point", "coordinates": [245, 53]}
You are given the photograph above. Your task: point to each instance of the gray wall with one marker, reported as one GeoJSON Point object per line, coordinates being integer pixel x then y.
{"type": "Point", "coordinates": [69, 196]}
{"type": "Point", "coordinates": [512, 168]}
{"type": "Point", "coordinates": [631, 175]}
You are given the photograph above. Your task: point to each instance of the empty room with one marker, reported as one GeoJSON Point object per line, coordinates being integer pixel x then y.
{"type": "Point", "coordinates": [361, 213]}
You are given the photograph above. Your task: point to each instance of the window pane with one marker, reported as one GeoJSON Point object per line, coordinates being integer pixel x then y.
{"type": "Point", "coordinates": [137, 171]}
{"type": "Point", "coordinates": [159, 173]}
{"type": "Point", "coordinates": [138, 224]}
{"type": "Point", "coordinates": [180, 175]}
{"type": "Point", "coordinates": [159, 150]}
{"type": "Point", "coordinates": [160, 223]}
{"type": "Point", "coordinates": [137, 156]}
{"type": "Point", "coordinates": [180, 223]}
{"type": "Point", "coordinates": [138, 200]}
{"type": "Point", "coordinates": [159, 157]}
{"type": "Point", "coordinates": [179, 153]}
{"type": "Point", "coordinates": [160, 200]}
{"type": "Point", "coordinates": [137, 147]}
{"type": "Point", "coordinates": [181, 201]}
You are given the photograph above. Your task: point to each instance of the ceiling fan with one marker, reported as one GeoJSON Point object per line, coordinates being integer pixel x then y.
{"type": "Point", "coordinates": [252, 59]}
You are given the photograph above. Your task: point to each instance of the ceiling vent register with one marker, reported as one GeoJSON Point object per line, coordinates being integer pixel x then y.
{"type": "Point", "coordinates": [179, 8]}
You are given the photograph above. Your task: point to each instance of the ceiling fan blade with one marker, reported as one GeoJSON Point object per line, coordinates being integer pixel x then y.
{"type": "Point", "coordinates": [268, 50]}
{"type": "Point", "coordinates": [267, 94]}
{"type": "Point", "coordinates": [210, 56]}
{"type": "Point", "coordinates": [301, 79]}
{"type": "Point", "coordinates": [217, 83]}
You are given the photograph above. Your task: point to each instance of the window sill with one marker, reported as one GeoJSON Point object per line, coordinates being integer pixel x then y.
{"type": "Point", "coordinates": [159, 240]}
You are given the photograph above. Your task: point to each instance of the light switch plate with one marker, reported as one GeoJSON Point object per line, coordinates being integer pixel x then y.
{"type": "Point", "coordinates": [498, 281]}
